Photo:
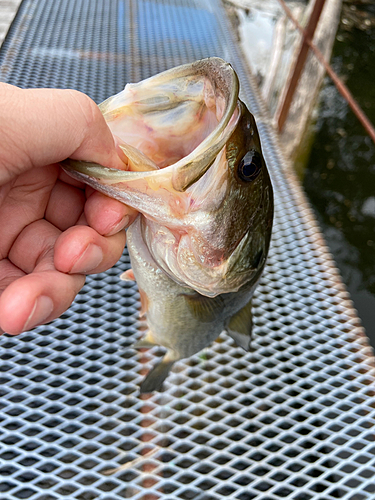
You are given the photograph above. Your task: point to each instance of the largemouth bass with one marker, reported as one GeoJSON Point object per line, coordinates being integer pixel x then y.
{"type": "Point", "coordinates": [196, 173]}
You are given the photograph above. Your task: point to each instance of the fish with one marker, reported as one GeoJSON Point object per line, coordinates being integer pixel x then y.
{"type": "Point", "coordinates": [194, 170]}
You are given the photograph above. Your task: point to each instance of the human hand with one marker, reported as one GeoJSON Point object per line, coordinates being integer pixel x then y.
{"type": "Point", "coordinates": [53, 230]}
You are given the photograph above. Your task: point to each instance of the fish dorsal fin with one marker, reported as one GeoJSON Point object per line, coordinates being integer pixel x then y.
{"type": "Point", "coordinates": [240, 327]}
{"type": "Point", "coordinates": [205, 309]}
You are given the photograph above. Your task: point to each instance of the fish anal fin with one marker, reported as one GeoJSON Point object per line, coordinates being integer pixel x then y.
{"type": "Point", "coordinates": [156, 376]}
{"type": "Point", "coordinates": [141, 343]}
{"type": "Point", "coordinates": [146, 341]}
{"type": "Point", "coordinates": [204, 308]}
{"type": "Point", "coordinates": [240, 327]}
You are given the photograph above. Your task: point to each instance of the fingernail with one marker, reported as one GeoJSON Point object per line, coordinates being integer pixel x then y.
{"type": "Point", "coordinates": [42, 309]}
{"type": "Point", "coordinates": [119, 226]}
{"type": "Point", "coordinates": [89, 260]}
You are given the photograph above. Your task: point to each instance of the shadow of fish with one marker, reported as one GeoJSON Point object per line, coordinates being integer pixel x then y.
{"type": "Point", "coordinates": [196, 174]}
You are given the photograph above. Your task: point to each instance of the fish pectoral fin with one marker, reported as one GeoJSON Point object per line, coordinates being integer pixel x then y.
{"type": "Point", "coordinates": [240, 327]}
{"type": "Point", "coordinates": [144, 302]}
{"type": "Point", "coordinates": [204, 308]}
{"type": "Point", "coordinates": [127, 275]}
{"type": "Point", "coordinates": [156, 376]}
{"type": "Point", "coordinates": [138, 161]}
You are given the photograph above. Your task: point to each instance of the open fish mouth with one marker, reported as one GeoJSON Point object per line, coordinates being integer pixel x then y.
{"type": "Point", "coordinates": [192, 164]}
{"type": "Point", "coordinates": [176, 119]}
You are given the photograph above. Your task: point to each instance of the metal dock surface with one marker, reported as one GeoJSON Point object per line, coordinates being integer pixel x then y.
{"type": "Point", "coordinates": [294, 419]}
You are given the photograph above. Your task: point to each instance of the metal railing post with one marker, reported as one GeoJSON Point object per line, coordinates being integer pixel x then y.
{"type": "Point", "coordinates": [307, 36]}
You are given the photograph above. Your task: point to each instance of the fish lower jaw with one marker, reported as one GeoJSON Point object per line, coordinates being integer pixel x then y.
{"type": "Point", "coordinates": [204, 270]}
{"type": "Point", "coordinates": [218, 289]}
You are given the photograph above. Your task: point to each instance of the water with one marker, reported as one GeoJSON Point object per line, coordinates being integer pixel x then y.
{"type": "Point", "coordinates": [340, 176]}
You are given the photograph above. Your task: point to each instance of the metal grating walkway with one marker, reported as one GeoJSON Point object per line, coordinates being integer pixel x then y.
{"type": "Point", "coordinates": [294, 419]}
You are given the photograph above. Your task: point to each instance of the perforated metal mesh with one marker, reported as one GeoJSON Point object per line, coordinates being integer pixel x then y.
{"type": "Point", "coordinates": [293, 419]}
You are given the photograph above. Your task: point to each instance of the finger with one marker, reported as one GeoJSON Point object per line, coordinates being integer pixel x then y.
{"type": "Point", "coordinates": [36, 299]}
{"type": "Point", "coordinates": [34, 137]}
{"type": "Point", "coordinates": [8, 273]}
{"type": "Point", "coordinates": [24, 203]}
{"type": "Point", "coordinates": [33, 248]}
{"type": "Point", "coordinates": [108, 216]}
{"type": "Point", "coordinates": [81, 249]}
{"type": "Point", "coordinates": [67, 179]}
{"type": "Point", "coordinates": [45, 293]}
{"type": "Point", "coordinates": [65, 205]}
{"type": "Point", "coordinates": [42, 295]}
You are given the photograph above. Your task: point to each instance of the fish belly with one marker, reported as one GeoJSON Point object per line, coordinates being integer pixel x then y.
{"type": "Point", "coordinates": [170, 309]}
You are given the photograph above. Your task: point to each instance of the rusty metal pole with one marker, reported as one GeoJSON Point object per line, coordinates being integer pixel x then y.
{"type": "Point", "coordinates": [308, 35]}
{"type": "Point", "coordinates": [341, 87]}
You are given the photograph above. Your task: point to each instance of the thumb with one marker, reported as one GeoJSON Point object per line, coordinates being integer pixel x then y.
{"type": "Point", "coordinates": [44, 126]}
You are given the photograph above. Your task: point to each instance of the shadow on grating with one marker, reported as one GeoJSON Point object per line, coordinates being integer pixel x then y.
{"type": "Point", "coordinates": [294, 419]}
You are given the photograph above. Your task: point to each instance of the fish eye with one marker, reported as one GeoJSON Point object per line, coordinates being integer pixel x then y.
{"type": "Point", "coordinates": [250, 166]}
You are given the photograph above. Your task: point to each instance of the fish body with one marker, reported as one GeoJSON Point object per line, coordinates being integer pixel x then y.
{"type": "Point", "coordinates": [178, 317]}
{"type": "Point", "coordinates": [196, 173]}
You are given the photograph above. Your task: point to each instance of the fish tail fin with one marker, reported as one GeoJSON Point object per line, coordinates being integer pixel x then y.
{"type": "Point", "coordinates": [156, 376]}
{"type": "Point", "coordinates": [240, 327]}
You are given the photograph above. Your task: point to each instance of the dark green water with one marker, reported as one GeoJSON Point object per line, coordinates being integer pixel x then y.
{"type": "Point", "coordinates": [340, 176]}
